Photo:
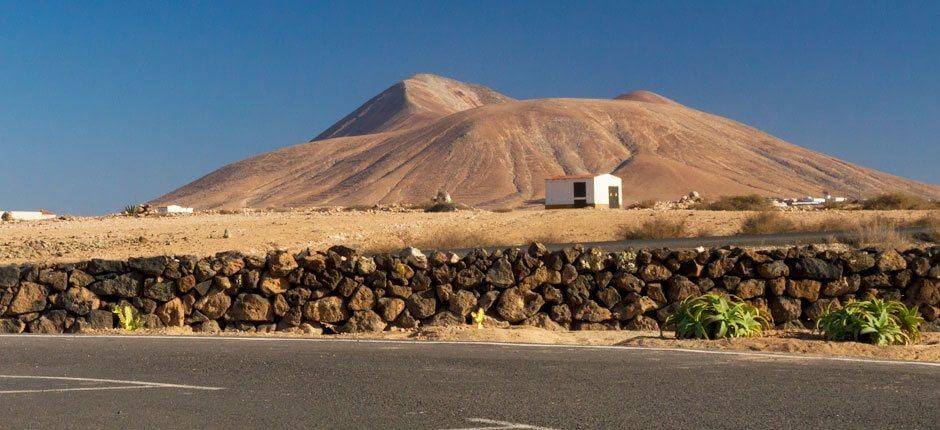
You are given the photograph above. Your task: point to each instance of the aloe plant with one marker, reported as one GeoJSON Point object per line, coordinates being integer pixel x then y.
{"type": "Point", "coordinates": [873, 321]}
{"type": "Point", "coordinates": [128, 317]}
{"type": "Point", "coordinates": [714, 316]}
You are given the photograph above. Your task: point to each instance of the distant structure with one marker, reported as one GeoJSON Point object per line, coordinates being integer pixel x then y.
{"type": "Point", "coordinates": [173, 209]}
{"type": "Point", "coordinates": [39, 215]}
{"type": "Point", "coordinates": [808, 201]}
{"type": "Point", "coordinates": [442, 197]}
{"type": "Point", "coordinates": [580, 191]}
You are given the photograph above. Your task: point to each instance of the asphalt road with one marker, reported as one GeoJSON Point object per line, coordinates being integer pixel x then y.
{"type": "Point", "coordinates": [274, 383]}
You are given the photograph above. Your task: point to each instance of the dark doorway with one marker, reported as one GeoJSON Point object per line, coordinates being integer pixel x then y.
{"type": "Point", "coordinates": [613, 195]}
{"type": "Point", "coordinates": [580, 194]}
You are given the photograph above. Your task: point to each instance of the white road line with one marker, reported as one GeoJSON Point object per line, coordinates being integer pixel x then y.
{"type": "Point", "coordinates": [500, 425]}
{"type": "Point", "coordinates": [62, 390]}
{"type": "Point", "coordinates": [485, 343]}
{"type": "Point", "coordinates": [128, 384]}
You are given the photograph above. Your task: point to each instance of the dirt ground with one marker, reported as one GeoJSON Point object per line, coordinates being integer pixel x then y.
{"type": "Point", "coordinates": [204, 234]}
{"type": "Point", "coordinates": [801, 342]}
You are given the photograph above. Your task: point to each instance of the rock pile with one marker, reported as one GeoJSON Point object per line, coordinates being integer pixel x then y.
{"type": "Point", "coordinates": [342, 290]}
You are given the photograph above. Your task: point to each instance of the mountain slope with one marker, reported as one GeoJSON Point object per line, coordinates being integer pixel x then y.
{"type": "Point", "coordinates": [429, 133]}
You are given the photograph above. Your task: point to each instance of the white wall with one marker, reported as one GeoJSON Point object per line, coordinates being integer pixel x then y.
{"type": "Point", "coordinates": [600, 188]}
{"type": "Point", "coordinates": [561, 191]}
{"type": "Point", "coordinates": [29, 215]}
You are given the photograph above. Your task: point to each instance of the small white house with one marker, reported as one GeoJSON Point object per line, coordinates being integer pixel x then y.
{"type": "Point", "coordinates": [579, 191]}
{"type": "Point", "coordinates": [174, 209]}
{"type": "Point", "coordinates": [39, 215]}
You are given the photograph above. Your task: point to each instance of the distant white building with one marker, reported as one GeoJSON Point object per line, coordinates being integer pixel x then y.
{"type": "Point", "coordinates": [39, 215]}
{"type": "Point", "coordinates": [579, 191]}
{"type": "Point", "coordinates": [173, 209]}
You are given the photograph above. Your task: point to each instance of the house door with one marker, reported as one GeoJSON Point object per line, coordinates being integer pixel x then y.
{"type": "Point", "coordinates": [580, 194]}
{"type": "Point", "coordinates": [613, 195]}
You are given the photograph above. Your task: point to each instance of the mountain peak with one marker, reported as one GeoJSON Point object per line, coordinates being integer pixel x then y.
{"type": "Point", "coordinates": [412, 102]}
{"type": "Point", "coordinates": [646, 97]}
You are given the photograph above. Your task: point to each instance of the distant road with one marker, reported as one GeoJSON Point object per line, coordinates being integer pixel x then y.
{"type": "Point", "coordinates": [266, 383]}
{"type": "Point", "coordinates": [778, 239]}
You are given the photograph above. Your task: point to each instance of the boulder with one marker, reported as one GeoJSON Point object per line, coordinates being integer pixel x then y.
{"type": "Point", "coordinates": [890, 261]}
{"type": "Point", "coordinates": [214, 305]}
{"type": "Point", "coordinates": [79, 301]}
{"type": "Point", "coordinates": [172, 313]}
{"type": "Point", "coordinates": [127, 285]}
{"type": "Point", "coordinates": [389, 308]}
{"type": "Point", "coordinates": [515, 305]}
{"type": "Point", "coordinates": [9, 275]}
{"type": "Point", "coordinates": [500, 274]}
{"type": "Point", "coordinates": [842, 286]}
{"type": "Point", "coordinates": [422, 305]}
{"type": "Point", "coordinates": [560, 313]}
{"type": "Point", "coordinates": [784, 309]}
{"type": "Point", "coordinates": [414, 257]}
{"type": "Point", "coordinates": [819, 307]}
{"type": "Point", "coordinates": [30, 297]}
{"type": "Point", "coordinates": [654, 273]}
{"type": "Point", "coordinates": [159, 291]}
{"type": "Point", "coordinates": [77, 278]}
{"type": "Point", "coordinates": [100, 320]}
{"type": "Point", "coordinates": [11, 326]}
{"type": "Point", "coordinates": [681, 288]}
{"type": "Point", "coordinates": [444, 319]}
{"type": "Point", "coordinates": [543, 321]}
{"type": "Point", "coordinates": [814, 268]}
{"type": "Point", "coordinates": [362, 299]}
{"type": "Point", "coordinates": [363, 321]}
{"type": "Point", "coordinates": [858, 261]}
{"type": "Point", "coordinates": [642, 323]}
{"type": "Point", "coordinates": [751, 288]}
{"type": "Point", "coordinates": [327, 310]}
{"type": "Point", "coordinates": [152, 266]}
{"type": "Point", "coordinates": [773, 269]}
{"type": "Point", "coordinates": [592, 312]}
{"type": "Point", "coordinates": [251, 308]}
{"type": "Point", "coordinates": [209, 326]}
{"type": "Point", "coordinates": [280, 263]}
{"type": "Point", "coordinates": [925, 291]}
{"type": "Point", "coordinates": [592, 260]}
{"type": "Point", "coordinates": [804, 288]}
{"type": "Point", "coordinates": [56, 279]}
{"type": "Point", "coordinates": [462, 303]}
{"type": "Point", "coordinates": [270, 286]}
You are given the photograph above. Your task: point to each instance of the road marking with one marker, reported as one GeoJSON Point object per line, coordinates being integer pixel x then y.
{"type": "Point", "coordinates": [128, 384]}
{"type": "Point", "coordinates": [485, 343]}
{"type": "Point", "coordinates": [499, 425]}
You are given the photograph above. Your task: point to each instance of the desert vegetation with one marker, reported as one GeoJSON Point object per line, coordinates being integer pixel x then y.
{"type": "Point", "coordinates": [656, 228]}
{"type": "Point", "coordinates": [716, 316]}
{"type": "Point", "coordinates": [898, 201]}
{"type": "Point", "coordinates": [750, 202]}
{"type": "Point", "coordinates": [880, 322]}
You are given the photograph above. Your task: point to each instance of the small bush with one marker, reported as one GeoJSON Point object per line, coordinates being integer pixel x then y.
{"type": "Point", "coordinates": [656, 228]}
{"type": "Point", "coordinates": [447, 207]}
{"type": "Point", "coordinates": [128, 317]}
{"type": "Point", "coordinates": [714, 316]}
{"type": "Point", "coordinates": [768, 222]}
{"type": "Point", "coordinates": [6, 217]}
{"type": "Point", "coordinates": [751, 202]}
{"type": "Point", "coordinates": [897, 201]}
{"type": "Point", "coordinates": [133, 210]}
{"type": "Point", "coordinates": [872, 321]}
{"type": "Point", "coordinates": [503, 210]}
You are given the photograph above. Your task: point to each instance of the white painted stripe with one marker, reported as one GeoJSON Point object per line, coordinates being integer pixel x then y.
{"type": "Point", "coordinates": [62, 390]}
{"type": "Point", "coordinates": [500, 425]}
{"type": "Point", "coordinates": [486, 343]}
{"type": "Point", "coordinates": [144, 384]}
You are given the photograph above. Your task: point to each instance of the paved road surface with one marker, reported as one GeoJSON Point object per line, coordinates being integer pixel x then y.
{"type": "Point", "coordinates": [300, 384]}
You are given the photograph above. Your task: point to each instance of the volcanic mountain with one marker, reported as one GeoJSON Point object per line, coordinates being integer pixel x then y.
{"type": "Point", "coordinates": [428, 133]}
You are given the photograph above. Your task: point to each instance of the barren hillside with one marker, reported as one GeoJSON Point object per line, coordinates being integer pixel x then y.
{"type": "Point", "coordinates": [428, 133]}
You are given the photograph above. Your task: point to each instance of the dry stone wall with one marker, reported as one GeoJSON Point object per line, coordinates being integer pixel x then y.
{"type": "Point", "coordinates": [343, 291]}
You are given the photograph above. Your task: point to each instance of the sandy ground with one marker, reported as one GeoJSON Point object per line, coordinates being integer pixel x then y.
{"type": "Point", "coordinates": [204, 234]}
{"type": "Point", "coordinates": [801, 342]}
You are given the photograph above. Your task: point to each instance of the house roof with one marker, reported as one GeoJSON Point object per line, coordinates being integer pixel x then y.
{"type": "Point", "coordinates": [584, 176]}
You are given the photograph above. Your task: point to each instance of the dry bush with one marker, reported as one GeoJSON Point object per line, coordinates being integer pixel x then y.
{"type": "Point", "coordinates": [897, 201]}
{"type": "Point", "coordinates": [932, 223]}
{"type": "Point", "coordinates": [503, 210]}
{"type": "Point", "coordinates": [643, 204]}
{"type": "Point", "coordinates": [657, 228]}
{"type": "Point", "coordinates": [751, 202]}
{"type": "Point", "coordinates": [768, 222]}
{"type": "Point", "coordinates": [878, 231]}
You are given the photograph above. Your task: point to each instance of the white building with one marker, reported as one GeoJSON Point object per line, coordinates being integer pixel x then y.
{"type": "Point", "coordinates": [174, 209]}
{"type": "Point", "coordinates": [578, 191]}
{"type": "Point", "coordinates": [39, 215]}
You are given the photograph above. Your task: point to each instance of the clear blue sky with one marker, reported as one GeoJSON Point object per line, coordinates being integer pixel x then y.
{"type": "Point", "coordinates": [108, 103]}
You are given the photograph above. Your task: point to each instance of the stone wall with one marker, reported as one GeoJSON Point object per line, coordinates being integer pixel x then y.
{"type": "Point", "coordinates": [340, 290]}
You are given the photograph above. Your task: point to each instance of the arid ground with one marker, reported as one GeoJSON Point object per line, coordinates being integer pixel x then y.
{"type": "Point", "coordinates": [205, 234]}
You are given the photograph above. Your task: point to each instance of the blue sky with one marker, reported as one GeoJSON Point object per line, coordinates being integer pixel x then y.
{"type": "Point", "coordinates": [108, 103]}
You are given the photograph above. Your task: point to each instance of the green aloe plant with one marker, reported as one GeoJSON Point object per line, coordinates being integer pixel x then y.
{"type": "Point", "coordinates": [875, 321]}
{"type": "Point", "coordinates": [128, 317]}
{"type": "Point", "coordinates": [715, 316]}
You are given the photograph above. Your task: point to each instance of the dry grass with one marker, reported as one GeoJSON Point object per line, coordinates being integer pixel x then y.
{"type": "Point", "coordinates": [751, 202]}
{"type": "Point", "coordinates": [877, 231]}
{"type": "Point", "coordinates": [657, 228]}
{"type": "Point", "coordinates": [898, 201]}
{"type": "Point", "coordinates": [768, 222]}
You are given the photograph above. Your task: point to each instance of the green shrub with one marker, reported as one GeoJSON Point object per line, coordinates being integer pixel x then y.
{"type": "Point", "coordinates": [750, 202]}
{"type": "Point", "coordinates": [132, 209]}
{"type": "Point", "coordinates": [128, 317]}
{"type": "Point", "coordinates": [714, 316]}
{"type": "Point", "coordinates": [897, 201]}
{"type": "Point", "coordinates": [873, 321]}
